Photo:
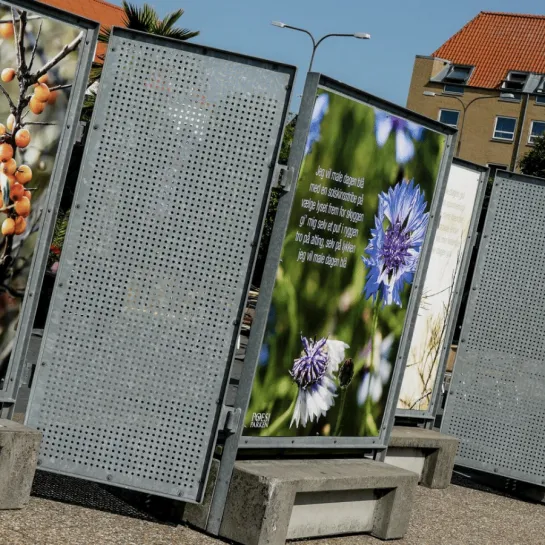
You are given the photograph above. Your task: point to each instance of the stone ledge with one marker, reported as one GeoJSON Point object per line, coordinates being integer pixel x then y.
{"type": "Point", "coordinates": [428, 453]}
{"type": "Point", "coordinates": [19, 448]}
{"type": "Point", "coordinates": [270, 501]}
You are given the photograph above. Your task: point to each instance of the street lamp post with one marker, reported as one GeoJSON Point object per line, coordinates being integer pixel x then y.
{"type": "Point", "coordinates": [464, 110]}
{"type": "Point", "coordinates": [315, 44]}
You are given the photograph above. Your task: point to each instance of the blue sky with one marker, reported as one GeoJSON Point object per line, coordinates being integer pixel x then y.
{"type": "Point", "coordinates": [382, 66]}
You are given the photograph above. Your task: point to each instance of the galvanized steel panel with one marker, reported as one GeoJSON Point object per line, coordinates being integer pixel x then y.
{"type": "Point", "coordinates": [496, 404]}
{"type": "Point", "coordinates": [156, 264]}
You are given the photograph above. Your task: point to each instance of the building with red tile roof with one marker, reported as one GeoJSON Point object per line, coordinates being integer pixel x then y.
{"type": "Point", "coordinates": [106, 14]}
{"type": "Point", "coordinates": [488, 79]}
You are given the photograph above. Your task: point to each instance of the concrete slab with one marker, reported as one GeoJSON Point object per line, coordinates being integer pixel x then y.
{"type": "Point", "coordinates": [19, 448]}
{"type": "Point", "coordinates": [270, 501]}
{"type": "Point", "coordinates": [428, 453]}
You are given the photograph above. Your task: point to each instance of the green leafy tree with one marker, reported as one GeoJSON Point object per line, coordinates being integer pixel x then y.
{"type": "Point", "coordinates": [533, 163]}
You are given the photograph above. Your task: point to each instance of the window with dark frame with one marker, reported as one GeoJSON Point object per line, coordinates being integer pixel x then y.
{"type": "Point", "coordinates": [452, 89]}
{"type": "Point", "coordinates": [504, 128]}
{"type": "Point", "coordinates": [458, 74]}
{"type": "Point", "coordinates": [449, 117]}
{"type": "Point", "coordinates": [515, 81]}
{"type": "Point", "coordinates": [536, 129]}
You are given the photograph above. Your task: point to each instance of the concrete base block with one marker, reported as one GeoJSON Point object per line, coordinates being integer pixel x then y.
{"type": "Point", "coordinates": [19, 448]}
{"type": "Point", "coordinates": [270, 501]}
{"type": "Point", "coordinates": [427, 453]}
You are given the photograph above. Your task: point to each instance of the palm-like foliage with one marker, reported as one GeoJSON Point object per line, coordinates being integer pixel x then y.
{"type": "Point", "coordinates": [145, 19]}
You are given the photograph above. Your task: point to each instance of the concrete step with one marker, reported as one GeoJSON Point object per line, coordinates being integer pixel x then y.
{"type": "Point", "coordinates": [19, 447]}
{"type": "Point", "coordinates": [427, 453]}
{"type": "Point", "coordinates": [273, 500]}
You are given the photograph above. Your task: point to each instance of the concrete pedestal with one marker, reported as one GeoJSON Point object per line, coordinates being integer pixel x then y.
{"type": "Point", "coordinates": [19, 447]}
{"type": "Point", "coordinates": [427, 453]}
{"type": "Point", "coordinates": [270, 501]}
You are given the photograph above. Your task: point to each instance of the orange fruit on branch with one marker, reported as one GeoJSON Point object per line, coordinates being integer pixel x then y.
{"type": "Point", "coordinates": [28, 194]}
{"type": "Point", "coordinates": [22, 138]}
{"type": "Point", "coordinates": [22, 207]}
{"type": "Point", "coordinates": [8, 227]}
{"type": "Point", "coordinates": [23, 174]}
{"type": "Point", "coordinates": [16, 192]}
{"type": "Point", "coordinates": [6, 30]}
{"type": "Point", "coordinates": [20, 225]}
{"type": "Point", "coordinates": [9, 167]}
{"type": "Point", "coordinates": [52, 97]}
{"type": "Point", "coordinates": [2, 129]}
{"type": "Point", "coordinates": [6, 152]}
{"type": "Point", "coordinates": [43, 79]}
{"type": "Point", "coordinates": [7, 74]}
{"type": "Point", "coordinates": [36, 106]}
{"type": "Point", "coordinates": [10, 122]}
{"type": "Point", "coordinates": [42, 92]}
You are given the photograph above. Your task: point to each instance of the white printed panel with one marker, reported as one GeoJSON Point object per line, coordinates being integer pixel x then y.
{"type": "Point", "coordinates": [438, 292]}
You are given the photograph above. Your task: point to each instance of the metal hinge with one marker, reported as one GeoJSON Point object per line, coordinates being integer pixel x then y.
{"type": "Point", "coordinates": [230, 419]}
{"type": "Point", "coordinates": [283, 177]}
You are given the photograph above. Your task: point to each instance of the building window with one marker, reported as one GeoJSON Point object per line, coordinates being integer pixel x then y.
{"type": "Point", "coordinates": [504, 129]}
{"type": "Point", "coordinates": [458, 74]}
{"type": "Point", "coordinates": [540, 99]}
{"type": "Point", "coordinates": [537, 129]}
{"type": "Point", "coordinates": [515, 81]}
{"type": "Point", "coordinates": [451, 89]}
{"type": "Point", "coordinates": [510, 97]}
{"type": "Point", "coordinates": [449, 117]}
{"type": "Point", "coordinates": [494, 168]}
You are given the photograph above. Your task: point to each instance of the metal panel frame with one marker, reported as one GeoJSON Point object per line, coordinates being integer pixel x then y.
{"type": "Point", "coordinates": [429, 414]}
{"type": "Point", "coordinates": [56, 184]}
{"type": "Point", "coordinates": [458, 375]}
{"type": "Point", "coordinates": [220, 410]}
{"type": "Point", "coordinates": [314, 81]}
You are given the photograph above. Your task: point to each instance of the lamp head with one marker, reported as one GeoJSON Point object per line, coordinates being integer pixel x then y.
{"type": "Point", "coordinates": [278, 24]}
{"type": "Point", "coordinates": [429, 94]}
{"type": "Point", "coordinates": [362, 35]}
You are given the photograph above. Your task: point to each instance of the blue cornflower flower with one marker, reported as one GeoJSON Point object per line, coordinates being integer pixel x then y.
{"type": "Point", "coordinates": [313, 374]}
{"type": "Point", "coordinates": [396, 241]}
{"type": "Point", "coordinates": [320, 109]}
{"type": "Point", "coordinates": [405, 132]}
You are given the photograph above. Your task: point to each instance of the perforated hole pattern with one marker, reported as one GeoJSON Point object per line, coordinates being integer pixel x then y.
{"type": "Point", "coordinates": [496, 405]}
{"type": "Point", "coordinates": [154, 266]}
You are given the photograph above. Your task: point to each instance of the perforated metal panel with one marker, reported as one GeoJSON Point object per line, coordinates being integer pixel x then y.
{"type": "Point", "coordinates": [156, 264]}
{"type": "Point", "coordinates": [496, 404]}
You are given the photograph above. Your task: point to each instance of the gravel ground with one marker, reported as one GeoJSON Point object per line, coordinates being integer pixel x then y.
{"type": "Point", "coordinates": [84, 513]}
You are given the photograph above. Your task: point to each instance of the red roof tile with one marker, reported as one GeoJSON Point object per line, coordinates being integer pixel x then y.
{"type": "Point", "coordinates": [495, 43]}
{"type": "Point", "coordinates": [97, 10]}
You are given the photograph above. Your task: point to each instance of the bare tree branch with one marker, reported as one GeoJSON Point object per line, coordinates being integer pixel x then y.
{"type": "Point", "coordinates": [29, 18]}
{"type": "Point", "coordinates": [58, 57]}
{"type": "Point", "coordinates": [12, 106]}
{"type": "Point", "coordinates": [59, 87]}
{"type": "Point", "coordinates": [20, 41]}
{"type": "Point", "coordinates": [38, 123]}
{"type": "Point", "coordinates": [35, 47]}
{"type": "Point", "coordinates": [16, 33]}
